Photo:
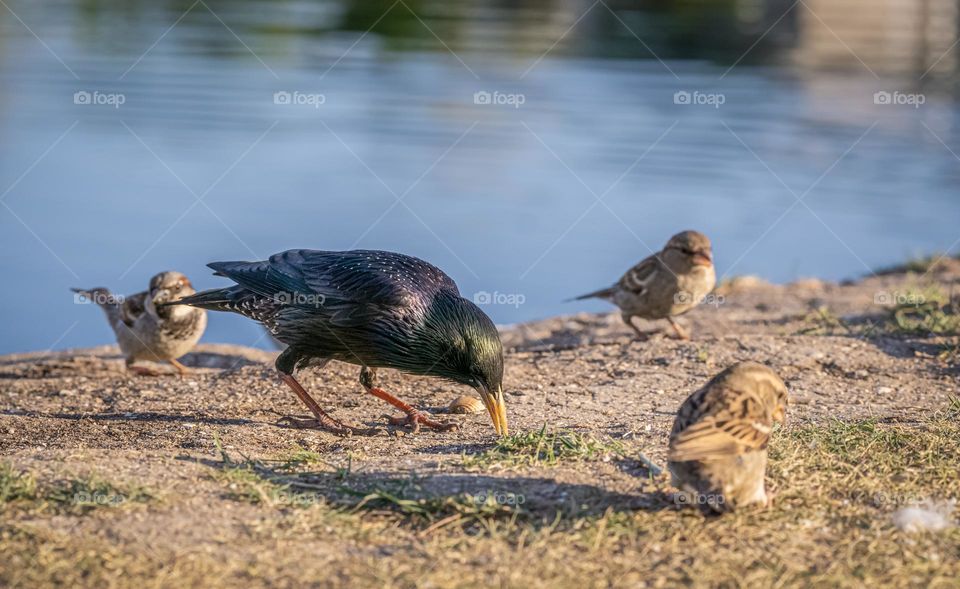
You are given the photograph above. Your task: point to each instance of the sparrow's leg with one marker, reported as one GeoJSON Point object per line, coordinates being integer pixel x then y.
{"type": "Point", "coordinates": [286, 363]}
{"type": "Point", "coordinates": [642, 336]}
{"type": "Point", "coordinates": [414, 418]}
{"type": "Point", "coordinates": [183, 370]}
{"type": "Point", "coordinates": [681, 332]}
{"type": "Point", "coordinates": [139, 370]}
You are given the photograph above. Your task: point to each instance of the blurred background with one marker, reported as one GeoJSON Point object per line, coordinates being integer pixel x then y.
{"type": "Point", "coordinates": [534, 150]}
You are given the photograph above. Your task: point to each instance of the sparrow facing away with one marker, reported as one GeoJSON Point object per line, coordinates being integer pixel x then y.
{"type": "Point", "coordinates": [375, 309]}
{"type": "Point", "coordinates": [145, 329]}
{"type": "Point", "coordinates": [668, 283]}
{"type": "Point", "coordinates": [718, 446]}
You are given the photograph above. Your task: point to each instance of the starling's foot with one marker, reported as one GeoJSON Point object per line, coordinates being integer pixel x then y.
{"type": "Point", "coordinates": [415, 418]}
{"type": "Point", "coordinates": [323, 420]}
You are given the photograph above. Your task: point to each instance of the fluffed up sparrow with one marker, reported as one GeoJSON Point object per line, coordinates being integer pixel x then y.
{"type": "Point", "coordinates": [718, 446]}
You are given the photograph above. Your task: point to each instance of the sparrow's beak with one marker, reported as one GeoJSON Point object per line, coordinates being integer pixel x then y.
{"type": "Point", "coordinates": [496, 407]}
{"type": "Point", "coordinates": [703, 258]}
{"type": "Point", "coordinates": [161, 296]}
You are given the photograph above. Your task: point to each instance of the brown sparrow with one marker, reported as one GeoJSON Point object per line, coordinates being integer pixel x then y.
{"type": "Point", "coordinates": [718, 446]}
{"type": "Point", "coordinates": [666, 284]}
{"type": "Point", "coordinates": [146, 330]}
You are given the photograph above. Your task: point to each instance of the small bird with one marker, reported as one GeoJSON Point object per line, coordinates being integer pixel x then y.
{"type": "Point", "coordinates": [147, 330]}
{"type": "Point", "coordinates": [376, 309]}
{"type": "Point", "coordinates": [718, 446]}
{"type": "Point", "coordinates": [668, 283]}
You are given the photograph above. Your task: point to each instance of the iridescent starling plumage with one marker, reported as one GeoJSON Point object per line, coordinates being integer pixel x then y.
{"type": "Point", "coordinates": [376, 309]}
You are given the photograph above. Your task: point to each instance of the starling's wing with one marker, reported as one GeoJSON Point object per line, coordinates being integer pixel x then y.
{"type": "Point", "coordinates": [639, 277]}
{"type": "Point", "coordinates": [133, 307]}
{"type": "Point", "coordinates": [346, 286]}
{"type": "Point", "coordinates": [717, 422]}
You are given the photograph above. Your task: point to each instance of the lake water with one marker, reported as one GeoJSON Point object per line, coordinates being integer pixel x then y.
{"type": "Point", "coordinates": [533, 153]}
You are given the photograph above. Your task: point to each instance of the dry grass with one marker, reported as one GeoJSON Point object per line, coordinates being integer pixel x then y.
{"type": "Point", "coordinates": [836, 489]}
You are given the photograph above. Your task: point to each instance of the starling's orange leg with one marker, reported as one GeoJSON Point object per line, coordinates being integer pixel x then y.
{"type": "Point", "coordinates": [323, 419]}
{"type": "Point", "coordinates": [183, 370]}
{"type": "Point", "coordinates": [413, 418]}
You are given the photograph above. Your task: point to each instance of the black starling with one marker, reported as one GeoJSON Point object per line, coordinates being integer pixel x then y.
{"type": "Point", "coordinates": [373, 308]}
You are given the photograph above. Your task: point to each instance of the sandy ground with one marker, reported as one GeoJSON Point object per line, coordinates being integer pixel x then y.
{"type": "Point", "coordinates": [76, 414]}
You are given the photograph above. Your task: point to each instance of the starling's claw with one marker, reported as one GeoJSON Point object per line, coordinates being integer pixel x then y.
{"type": "Point", "coordinates": [323, 419]}
{"type": "Point", "coordinates": [415, 418]}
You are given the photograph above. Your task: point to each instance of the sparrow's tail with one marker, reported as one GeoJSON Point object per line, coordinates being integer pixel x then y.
{"type": "Point", "coordinates": [604, 293]}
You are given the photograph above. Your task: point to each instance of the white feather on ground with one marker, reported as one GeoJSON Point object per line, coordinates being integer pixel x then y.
{"type": "Point", "coordinates": [927, 516]}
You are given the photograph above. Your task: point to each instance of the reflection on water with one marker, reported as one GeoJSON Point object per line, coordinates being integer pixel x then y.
{"type": "Point", "coordinates": [532, 148]}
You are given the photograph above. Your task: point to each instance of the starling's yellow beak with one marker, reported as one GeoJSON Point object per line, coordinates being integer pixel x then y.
{"type": "Point", "coordinates": [496, 407]}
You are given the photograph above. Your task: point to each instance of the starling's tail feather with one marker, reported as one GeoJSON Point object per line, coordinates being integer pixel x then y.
{"type": "Point", "coordinates": [603, 293]}
{"type": "Point", "coordinates": [217, 299]}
